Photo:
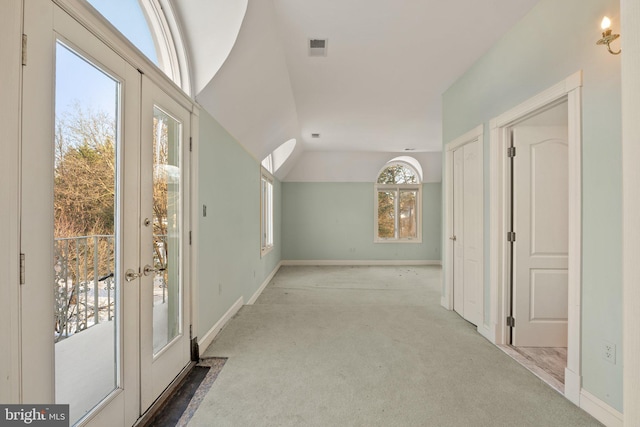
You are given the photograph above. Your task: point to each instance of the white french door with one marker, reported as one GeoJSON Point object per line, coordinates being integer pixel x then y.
{"type": "Point", "coordinates": [164, 250]}
{"type": "Point", "coordinates": [105, 300]}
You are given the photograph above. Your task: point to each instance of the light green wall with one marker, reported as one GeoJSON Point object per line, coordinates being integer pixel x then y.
{"type": "Point", "coordinates": [556, 39]}
{"type": "Point", "coordinates": [229, 262]}
{"type": "Point", "coordinates": [334, 221]}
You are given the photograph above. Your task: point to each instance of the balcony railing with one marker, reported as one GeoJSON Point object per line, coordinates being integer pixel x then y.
{"type": "Point", "coordinates": [84, 285]}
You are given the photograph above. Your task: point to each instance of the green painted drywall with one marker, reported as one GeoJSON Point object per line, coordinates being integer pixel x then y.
{"type": "Point", "coordinates": [334, 221]}
{"type": "Point", "coordinates": [229, 262]}
{"type": "Point", "coordinates": [553, 41]}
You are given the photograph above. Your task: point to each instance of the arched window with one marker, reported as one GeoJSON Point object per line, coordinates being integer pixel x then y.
{"type": "Point", "coordinates": [151, 26]}
{"type": "Point", "coordinates": [398, 194]}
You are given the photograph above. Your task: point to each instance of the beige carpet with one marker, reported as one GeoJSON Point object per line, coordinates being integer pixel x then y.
{"type": "Point", "coordinates": [368, 346]}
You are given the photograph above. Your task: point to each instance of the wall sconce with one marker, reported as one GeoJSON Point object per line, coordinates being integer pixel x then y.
{"type": "Point", "coordinates": [607, 37]}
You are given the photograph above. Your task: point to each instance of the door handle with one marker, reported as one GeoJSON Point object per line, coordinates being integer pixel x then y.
{"type": "Point", "coordinates": [453, 238]}
{"type": "Point", "coordinates": [131, 275]}
{"type": "Point", "coordinates": [148, 269]}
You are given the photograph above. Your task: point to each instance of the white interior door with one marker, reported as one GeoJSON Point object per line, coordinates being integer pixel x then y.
{"type": "Point", "coordinates": [472, 203]}
{"type": "Point", "coordinates": [458, 231]}
{"type": "Point", "coordinates": [541, 226]}
{"type": "Point", "coordinates": [467, 226]}
{"type": "Point", "coordinates": [164, 183]}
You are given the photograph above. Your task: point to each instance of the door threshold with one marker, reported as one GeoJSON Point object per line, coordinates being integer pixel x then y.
{"type": "Point", "coordinates": [532, 367]}
{"type": "Point", "coordinates": [148, 416]}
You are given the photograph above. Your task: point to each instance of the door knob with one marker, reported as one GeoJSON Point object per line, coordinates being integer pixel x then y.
{"type": "Point", "coordinates": [131, 275]}
{"type": "Point", "coordinates": [148, 270]}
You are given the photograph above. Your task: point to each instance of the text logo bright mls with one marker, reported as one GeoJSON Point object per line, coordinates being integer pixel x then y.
{"type": "Point", "coordinates": [34, 415]}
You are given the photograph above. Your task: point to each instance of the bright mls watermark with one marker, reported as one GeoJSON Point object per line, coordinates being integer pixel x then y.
{"type": "Point", "coordinates": [34, 415]}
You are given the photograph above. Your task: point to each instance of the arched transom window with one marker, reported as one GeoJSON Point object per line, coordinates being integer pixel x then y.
{"type": "Point", "coordinates": [398, 212]}
{"type": "Point", "coordinates": [150, 25]}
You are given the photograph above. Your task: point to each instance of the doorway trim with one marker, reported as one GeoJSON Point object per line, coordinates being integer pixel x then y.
{"type": "Point", "coordinates": [475, 134]}
{"type": "Point", "coordinates": [571, 89]}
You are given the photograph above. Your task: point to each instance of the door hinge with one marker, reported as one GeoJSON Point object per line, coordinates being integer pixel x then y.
{"type": "Point", "coordinates": [24, 49]}
{"type": "Point", "coordinates": [22, 272]}
{"type": "Point", "coordinates": [190, 332]}
{"type": "Point", "coordinates": [190, 143]}
{"type": "Point", "coordinates": [511, 151]}
{"type": "Point", "coordinates": [189, 237]}
{"type": "Point", "coordinates": [511, 236]}
{"type": "Point", "coordinates": [511, 322]}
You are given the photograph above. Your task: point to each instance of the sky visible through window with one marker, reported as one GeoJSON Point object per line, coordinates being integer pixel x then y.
{"type": "Point", "coordinates": [80, 84]}
{"type": "Point", "coordinates": [128, 18]}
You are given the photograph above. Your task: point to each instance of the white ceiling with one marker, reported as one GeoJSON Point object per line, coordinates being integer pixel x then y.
{"type": "Point", "coordinates": [379, 88]}
{"type": "Point", "coordinates": [388, 63]}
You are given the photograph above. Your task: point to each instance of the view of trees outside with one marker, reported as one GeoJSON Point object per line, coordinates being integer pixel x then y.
{"type": "Point", "coordinates": [405, 211]}
{"type": "Point", "coordinates": [84, 219]}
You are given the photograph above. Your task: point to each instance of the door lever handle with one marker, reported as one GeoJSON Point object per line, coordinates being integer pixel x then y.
{"type": "Point", "coordinates": [453, 238]}
{"type": "Point", "coordinates": [148, 269]}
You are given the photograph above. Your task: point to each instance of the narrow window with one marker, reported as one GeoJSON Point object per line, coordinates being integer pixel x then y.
{"type": "Point", "coordinates": [266, 212]}
{"type": "Point", "coordinates": [398, 213]}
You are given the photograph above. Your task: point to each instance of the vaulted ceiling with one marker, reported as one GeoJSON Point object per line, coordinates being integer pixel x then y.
{"type": "Point", "coordinates": [378, 89]}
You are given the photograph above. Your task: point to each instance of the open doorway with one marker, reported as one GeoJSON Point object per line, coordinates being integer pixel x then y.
{"type": "Point", "coordinates": [569, 93]}
{"type": "Point", "coordinates": [538, 242]}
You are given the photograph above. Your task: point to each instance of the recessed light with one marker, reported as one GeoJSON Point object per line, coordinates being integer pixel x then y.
{"type": "Point", "coordinates": [315, 135]}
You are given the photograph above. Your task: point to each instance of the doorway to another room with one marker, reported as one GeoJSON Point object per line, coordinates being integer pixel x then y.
{"type": "Point", "coordinates": [536, 234]}
{"type": "Point", "coordinates": [538, 243]}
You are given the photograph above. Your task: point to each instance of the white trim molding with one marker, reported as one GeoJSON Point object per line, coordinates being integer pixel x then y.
{"type": "Point", "coordinates": [10, 115]}
{"type": "Point", "coordinates": [600, 410]}
{"type": "Point", "coordinates": [211, 334]}
{"type": "Point", "coordinates": [475, 134]}
{"type": "Point", "coordinates": [569, 89]}
{"type": "Point", "coordinates": [264, 284]}
{"type": "Point", "coordinates": [630, 12]}
{"type": "Point", "coordinates": [357, 262]}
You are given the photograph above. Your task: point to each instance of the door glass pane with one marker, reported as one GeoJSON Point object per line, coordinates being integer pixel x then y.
{"type": "Point", "coordinates": [386, 214]}
{"type": "Point", "coordinates": [408, 217]}
{"type": "Point", "coordinates": [167, 230]}
{"type": "Point", "coordinates": [86, 234]}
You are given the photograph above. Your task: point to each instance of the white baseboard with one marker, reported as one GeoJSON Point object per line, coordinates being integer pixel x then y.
{"type": "Point", "coordinates": [572, 386]}
{"type": "Point", "coordinates": [208, 338]}
{"type": "Point", "coordinates": [601, 411]}
{"type": "Point", "coordinates": [358, 262]}
{"type": "Point", "coordinates": [444, 302]}
{"type": "Point", "coordinates": [257, 293]}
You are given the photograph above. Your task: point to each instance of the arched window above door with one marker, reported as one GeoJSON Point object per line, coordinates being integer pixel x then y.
{"type": "Point", "coordinates": [150, 25]}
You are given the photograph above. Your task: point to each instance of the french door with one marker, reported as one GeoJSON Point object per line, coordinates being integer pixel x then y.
{"type": "Point", "coordinates": [105, 299]}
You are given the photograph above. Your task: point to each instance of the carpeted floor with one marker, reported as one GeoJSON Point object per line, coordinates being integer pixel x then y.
{"type": "Point", "coordinates": [368, 346]}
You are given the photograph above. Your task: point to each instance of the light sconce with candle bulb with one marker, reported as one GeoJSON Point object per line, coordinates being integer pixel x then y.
{"type": "Point", "coordinates": [607, 36]}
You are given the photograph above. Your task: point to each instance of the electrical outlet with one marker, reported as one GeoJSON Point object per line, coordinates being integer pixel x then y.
{"type": "Point", "coordinates": [609, 352]}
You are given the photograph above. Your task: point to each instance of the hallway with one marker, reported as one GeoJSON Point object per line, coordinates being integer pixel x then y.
{"type": "Point", "coordinates": [368, 346]}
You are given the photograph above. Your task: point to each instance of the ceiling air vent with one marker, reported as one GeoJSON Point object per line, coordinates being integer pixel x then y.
{"type": "Point", "coordinates": [317, 47]}
{"type": "Point", "coordinates": [315, 135]}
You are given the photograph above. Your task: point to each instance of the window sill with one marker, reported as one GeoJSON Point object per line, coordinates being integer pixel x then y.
{"type": "Point", "coordinates": [265, 251]}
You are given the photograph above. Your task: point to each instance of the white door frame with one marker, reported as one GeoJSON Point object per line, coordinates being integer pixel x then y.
{"type": "Point", "coordinates": [631, 209]}
{"type": "Point", "coordinates": [475, 134]}
{"type": "Point", "coordinates": [571, 89]}
{"type": "Point", "coordinates": [10, 107]}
